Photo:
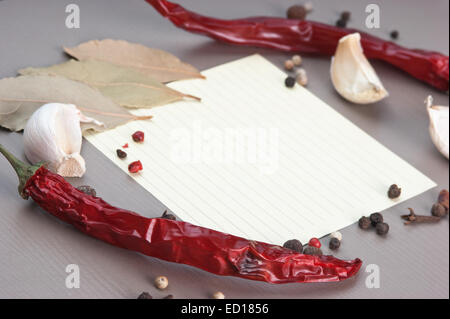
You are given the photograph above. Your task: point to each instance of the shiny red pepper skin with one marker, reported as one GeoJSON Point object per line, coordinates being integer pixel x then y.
{"type": "Point", "coordinates": [181, 242]}
{"type": "Point", "coordinates": [308, 37]}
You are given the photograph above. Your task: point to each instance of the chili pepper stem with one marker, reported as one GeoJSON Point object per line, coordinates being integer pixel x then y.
{"type": "Point", "coordinates": [23, 170]}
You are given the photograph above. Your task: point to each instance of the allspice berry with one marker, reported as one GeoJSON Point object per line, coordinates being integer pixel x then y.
{"type": "Point", "coordinates": [364, 222]}
{"type": "Point", "coordinates": [145, 295]}
{"type": "Point", "coordinates": [438, 210]}
{"type": "Point", "coordinates": [376, 218]}
{"type": "Point", "coordinates": [297, 12]}
{"type": "Point", "coordinates": [334, 243]}
{"type": "Point", "coordinates": [382, 228]}
{"type": "Point", "coordinates": [394, 191]}
{"type": "Point", "coordinates": [218, 295]}
{"type": "Point", "coordinates": [314, 251]}
{"type": "Point", "coordinates": [161, 282]}
{"type": "Point", "coordinates": [294, 244]}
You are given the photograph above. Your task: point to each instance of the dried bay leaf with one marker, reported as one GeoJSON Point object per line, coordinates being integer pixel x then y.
{"type": "Point", "coordinates": [123, 85]}
{"type": "Point", "coordinates": [160, 65]}
{"type": "Point", "coordinates": [21, 96]}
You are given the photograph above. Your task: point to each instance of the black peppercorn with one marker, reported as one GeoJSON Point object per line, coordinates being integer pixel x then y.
{"type": "Point", "coordinates": [121, 154]}
{"type": "Point", "coordinates": [145, 295]}
{"type": "Point", "coordinates": [394, 35]}
{"type": "Point", "coordinates": [438, 210]}
{"type": "Point", "coordinates": [334, 243]}
{"type": "Point", "coordinates": [382, 228]}
{"type": "Point", "coordinates": [341, 23]}
{"type": "Point", "coordinates": [376, 218]}
{"type": "Point", "coordinates": [345, 16]}
{"type": "Point", "coordinates": [364, 222]}
{"type": "Point", "coordinates": [314, 251]}
{"type": "Point", "coordinates": [297, 12]}
{"type": "Point", "coordinates": [294, 245]}
{"type": "Point", "coordinates": [166, 215]}
{"type": "Point", "coordinates": [394, 191]}
{"type": "Point", "coordinates": [88, 190]}
{"type": "Point", "coordinates": [290, 82]}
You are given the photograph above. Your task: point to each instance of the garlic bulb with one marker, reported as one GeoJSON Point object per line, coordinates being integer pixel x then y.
{"type": "Point", "coordinates": [352, 75]}
{"type": "Point", "coordinates": [53, 135]}
{"type": "Point", "coordinates": [439, 127]}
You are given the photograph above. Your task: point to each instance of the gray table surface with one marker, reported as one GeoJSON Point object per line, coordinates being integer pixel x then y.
{"type": "Point", "coordinates": [35, 247]}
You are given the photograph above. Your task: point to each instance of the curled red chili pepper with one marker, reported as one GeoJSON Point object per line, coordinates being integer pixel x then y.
{"type": "Point", "coordinates": [174, 241]}
{"type": "Point", "coordinates": [308, 37]}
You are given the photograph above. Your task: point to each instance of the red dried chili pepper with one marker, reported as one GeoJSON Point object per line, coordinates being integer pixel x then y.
{"type": "Point", "coordinates": [309, 37]}
{"type": "Point", "coordinates": [174, 241]}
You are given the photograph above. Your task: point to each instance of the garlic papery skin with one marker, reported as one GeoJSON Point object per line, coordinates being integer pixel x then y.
{"type": "Point", "coordinates": [352, 75]}
{"type": "Point", "coordinates": [53, 135]}
{"type": "Point", "coordinates": [439, 125]}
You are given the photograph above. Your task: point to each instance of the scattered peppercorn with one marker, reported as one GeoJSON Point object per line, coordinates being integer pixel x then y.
{"type": "Point", "coordinates": [121, 154]}
{"type": "Point", "coordinates": [125, 145]}
{"type": "Point", "coordinates": [309, 6]}
{"type": "Point", "coordinates": [394, 34]}
{"type": "Point", "coordinates": [301, 77]}
{"type": "Point", "coordinates": [138, 136]}
{"type": "Point", "coordinates": [135, 167]}
{"type": "Point", "coordinates": [334, 243]}
{"type": "Point", "coordinates": [297, 12]}
{"type": "Point", "coordinates": [314, 242]}
{"type": "Point", "coordinates": [161, 282]}
{"type": "Point", "coordinates": [218, 295]}
{"type": "Point", "coordinates": [289, 82]}
{"type": "Point", "coordinates": [168, 297]}
{"type": "Point", "coordinates": [87, 190]}
{"type": "Point", "coordinates": [288, 65]}
{"type": "Point", "coordinates": [364, 222]}
{"type": "Point", "coordinates": [438, 210]}
{"type": "Point", "coordinates": [376, 218]}
{"type": "Point", "coordinates": [337, 235]}
{"type": "Point", "coordinates": [294, 244]}
{"type": "Point", "coordinates": [394, 191]}
{"type": "Point", "coordinates": [443, 199]}
{"type": "Point", "coordinates": [297, 60]}
{"type": "Point", "coordinates": [382, 228]}
{"type": "Point", "coordinates": [145, 295]}
{"type": "Point", "coordinates": [345, 16]}
{"type": "Point", "coordinates": [341, 23]}
{"type": "Point", "coordinates": [166, 215]}
{"type": "Point", "coordinates": [314, 251]}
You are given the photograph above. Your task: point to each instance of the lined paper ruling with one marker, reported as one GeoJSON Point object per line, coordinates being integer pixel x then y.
{"type": "Point", "coordinates": [258, 160]}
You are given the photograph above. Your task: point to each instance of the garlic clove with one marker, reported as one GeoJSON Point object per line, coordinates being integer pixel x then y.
{"type": "Point", "coordinates": [439, 125]}
{"type": "Point", "coordinates": [53, 135]}
{"type": "Point", "coordinates": [352, 75]}
{"type": "Point", "coordinates": [72, 165]}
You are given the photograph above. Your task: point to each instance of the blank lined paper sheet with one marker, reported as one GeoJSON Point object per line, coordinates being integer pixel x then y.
{"type": "Point", "coordinates": [258, 160]}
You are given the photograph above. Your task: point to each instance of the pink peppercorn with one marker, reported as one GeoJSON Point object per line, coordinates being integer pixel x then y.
{"type": "Point", "coordinates": [135, 167]}
{"type": "Point", "coordinates": [314, 242]}
{"type": "Point", "coordinates": [138, 136]}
